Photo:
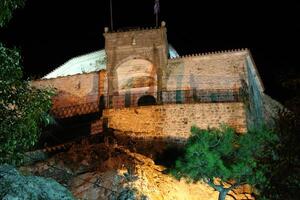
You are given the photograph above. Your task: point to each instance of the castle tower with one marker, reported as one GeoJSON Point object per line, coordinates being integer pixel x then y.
{"type": "Point", "coordinates": [135, 62]}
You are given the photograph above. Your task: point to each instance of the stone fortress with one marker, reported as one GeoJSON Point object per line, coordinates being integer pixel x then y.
{"type": "Point", "coordinates": [139, 86]}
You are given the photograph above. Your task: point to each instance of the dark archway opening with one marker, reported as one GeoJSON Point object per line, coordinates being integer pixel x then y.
{"type": "Point", "coordinates": [146, 100]}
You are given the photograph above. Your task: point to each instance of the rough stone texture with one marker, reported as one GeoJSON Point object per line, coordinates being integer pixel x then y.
{"type": "Point", "coordinates": [136, 73]}
{"type": "Point", "coordinates": [255, 110]}
{"type": "Point", "coordinates": [75, 95]}
{"type": "Point", "coordinates": [271, 109]}
{"type": "Point", "coordinates": [101, 82]}
{"type": "Point", "coordinates": [175, 120]}
{"type": "Point", "coordinates": [96, 126]}
{"type": "Point", "coordinates": [145, 178]}
{"type": "Point", "coordinates": [72, 90]}
{"type": "Point", "coordinates": [149, 45]}
{"type": "Point", "coordinates": [99, 169]}
{"type": "Point", "coordinates": [14, 186]}
{"type": "Point", "coordinates": [206, 72]}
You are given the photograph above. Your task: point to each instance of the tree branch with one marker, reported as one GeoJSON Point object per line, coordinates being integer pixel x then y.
{"type": "Point", "coordinates": [233, 186]}
{"type": "Point", "coordinates": [219, 188]}
{"type": "Point", "coordinates": [219, 140]}
{"type": "Point", "coordinates": [233, 196]}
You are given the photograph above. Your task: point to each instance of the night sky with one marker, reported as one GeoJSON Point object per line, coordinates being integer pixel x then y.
{"type": "Point", "coordinates": [49, 32]}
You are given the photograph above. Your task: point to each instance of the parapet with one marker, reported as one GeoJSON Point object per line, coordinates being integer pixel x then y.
{"type": "Point", "coordinates": [245, 50]}
{"type": "Point", "coordinates": [134, 29]}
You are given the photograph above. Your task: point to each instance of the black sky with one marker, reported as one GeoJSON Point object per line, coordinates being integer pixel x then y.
{"type": "Point", "coordinates": [49, 32]}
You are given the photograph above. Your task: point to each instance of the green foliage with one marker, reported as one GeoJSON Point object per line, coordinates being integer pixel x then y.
{"type": "Point", "coordinates": [6, 9]}
{"type": "Point", "coordinates": [221, 153]}
{"type": "Point", "coordinates": [255, 149]}
{"type": "Point", "coordinates": [22, 109]}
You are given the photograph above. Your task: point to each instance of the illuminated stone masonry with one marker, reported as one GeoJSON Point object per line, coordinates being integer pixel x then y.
{"type": "Point", "coordinates": [145, 89]}
{"type": "Point", "coordinates": [174, 121]}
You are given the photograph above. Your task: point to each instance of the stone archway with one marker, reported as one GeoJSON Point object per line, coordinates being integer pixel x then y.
{"type": "Point", "coordinates": [146, 100]}
{"type": "Point", "coordinates": [130, 79]}
{"type": "Point", "coordinates": [136, 75]}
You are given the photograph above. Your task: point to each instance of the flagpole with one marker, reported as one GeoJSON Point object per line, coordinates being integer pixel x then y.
{"type": "Point", "coordinates": [111, 16]}
{"type": "Point", "coordinates": [156, 11]}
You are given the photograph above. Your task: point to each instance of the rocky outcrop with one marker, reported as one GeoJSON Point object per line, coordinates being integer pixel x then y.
{"type": "Point", "coordinates": [14, 186]}
{"type": "Point", "coordinates": [141, 176]}
{"type": "Point", "coordinates": [109, 171]}
{"type": "Point", "coordinates": [271, 109]}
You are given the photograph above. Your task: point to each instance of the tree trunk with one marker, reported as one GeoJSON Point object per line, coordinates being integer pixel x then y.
{"type": "Point", "coordinates": [220, 188]}
{"type": "Point", "coordinates": [222, 194]}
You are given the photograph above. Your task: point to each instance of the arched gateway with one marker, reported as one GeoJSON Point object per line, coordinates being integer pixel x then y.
{"type": "Point", "coordinates": [146, 100]}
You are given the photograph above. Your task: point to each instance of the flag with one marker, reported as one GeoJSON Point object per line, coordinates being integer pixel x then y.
{"type": "Point", "coordinates": [156, 7]}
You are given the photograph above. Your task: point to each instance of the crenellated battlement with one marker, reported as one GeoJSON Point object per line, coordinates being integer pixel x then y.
{"type": "Point", "coordinates": [223, 52]}
{"type": "Point", "coordinates": [134, 29]}
{"type": "Point", "coordinates": [131, 29]}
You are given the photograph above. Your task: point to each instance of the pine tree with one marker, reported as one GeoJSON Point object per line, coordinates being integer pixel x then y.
{"type": "Point", "coordinates": [220, 156]}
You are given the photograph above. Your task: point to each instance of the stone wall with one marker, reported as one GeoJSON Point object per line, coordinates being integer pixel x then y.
{"type": "Point", "coordinates": [75, 95]}
{"type": "Point", "coordinates": [143, 37]}
{"type": "Point", "coordinates": [255, 107]}
{"type": "Point", "coordinates": [206, 72]}
{"type": "Point", "coordinates": [123, 47]}
{"type": "Point", "coordinates": [73, 90]}
{"type": "Point", "coordinates": [174, 121]}
{"type": "Point", "coordinates": [102, 79]}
